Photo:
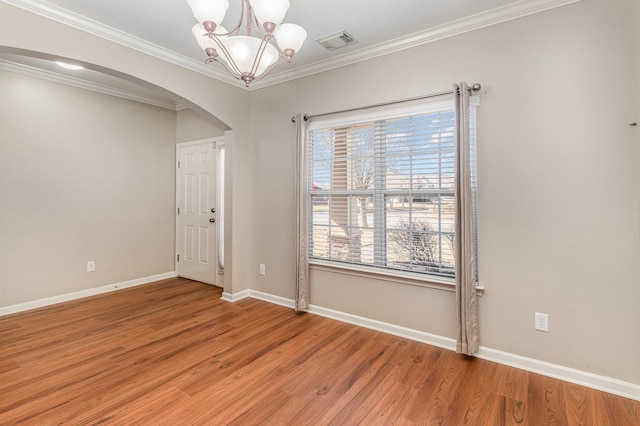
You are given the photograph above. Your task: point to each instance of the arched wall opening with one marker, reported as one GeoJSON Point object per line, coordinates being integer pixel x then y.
{"type": "Point", "coordinates": [224, 105]}
{"type": "Point", "coordinates": [23, 31]}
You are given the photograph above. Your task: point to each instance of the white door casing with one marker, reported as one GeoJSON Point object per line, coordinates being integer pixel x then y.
{"type": "Point", "coordinates": [197, 211]}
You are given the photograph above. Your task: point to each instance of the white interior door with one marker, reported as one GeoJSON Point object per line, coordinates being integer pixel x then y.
{"type": "Point", "coordinates": [196, 227]}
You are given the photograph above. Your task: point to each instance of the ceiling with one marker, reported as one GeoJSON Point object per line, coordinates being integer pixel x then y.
{"type": "Point", "coordinates": [163, 28]}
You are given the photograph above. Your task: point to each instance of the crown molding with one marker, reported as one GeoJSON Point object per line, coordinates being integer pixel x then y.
{"type": "Point", "coordinates": [74, 20]}
{"type": "Point", "coordinates": [83, 84]}
{"type": "Point", "coordinates": [478, 21]}
{"type": "Point", "coordinates": [495, 16]}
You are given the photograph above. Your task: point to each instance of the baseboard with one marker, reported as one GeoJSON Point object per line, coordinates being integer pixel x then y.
{"type": "Point", "coordinates": [396, 330]}
{"type": "Point", "coordinates": [567, 374]}
{"type": "Point", "coordinates": [277, 300]}
{"type": "Point", "coordinates": [7, 310]}
{"type": "Point", "coordinates": [579, 377]}
{"type": "Point", "coordinates": [236, 296]}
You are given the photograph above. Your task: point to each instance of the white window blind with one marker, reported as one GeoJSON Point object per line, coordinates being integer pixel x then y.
{"type": "Point", "coordinates": [382, 189]}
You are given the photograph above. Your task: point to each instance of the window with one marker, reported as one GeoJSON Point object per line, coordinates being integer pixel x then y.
{"type": "Point", "coordinates": [382, 190]}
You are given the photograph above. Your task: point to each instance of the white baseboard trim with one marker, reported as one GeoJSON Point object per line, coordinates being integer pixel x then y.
{"type": "Point", "coordinates": [396, 330]}
{"type": "Point", "coordinates": [7, 310]}
{"type": "Point", "coordinates": [571, 375]}
{"type": "Point", "coordinates": [235, 297]}
{"type": "Point", "coordinates": [567, 374]}
{"type": "Point", "coordinates": [277, 300]}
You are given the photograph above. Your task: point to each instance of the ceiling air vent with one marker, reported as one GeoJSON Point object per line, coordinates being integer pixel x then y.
{"type": "Point", "coordinates": [337, 40]}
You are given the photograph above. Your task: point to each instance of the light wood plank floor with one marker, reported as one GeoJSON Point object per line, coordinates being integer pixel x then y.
{"type": "Point", "coordinates": [173, 353]}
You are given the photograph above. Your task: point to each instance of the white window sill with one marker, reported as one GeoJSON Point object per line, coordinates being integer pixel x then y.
{"type": "Point", "coordinates": [391, 276]}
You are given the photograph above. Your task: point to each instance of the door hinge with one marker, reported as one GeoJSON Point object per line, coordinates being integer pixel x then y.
{"type": "Point", "coordinates": [178, 163]}
{"type": "Point", "coordinates": [178, 258]}
{"type": "Point", "coordinates": [178, 211]}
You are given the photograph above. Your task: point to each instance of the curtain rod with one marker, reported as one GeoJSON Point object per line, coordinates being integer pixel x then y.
{"type": "Point", "coordinates": [475, 88]}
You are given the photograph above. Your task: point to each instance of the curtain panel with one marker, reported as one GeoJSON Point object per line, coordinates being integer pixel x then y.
{"type": "Point", "coordinates": [465, 259]}
{"type": "Point", "coordinates": [302, 230]}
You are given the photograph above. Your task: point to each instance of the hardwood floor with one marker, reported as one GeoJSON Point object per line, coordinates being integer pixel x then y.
{"type": "Point", "coordinates": [173, 353]}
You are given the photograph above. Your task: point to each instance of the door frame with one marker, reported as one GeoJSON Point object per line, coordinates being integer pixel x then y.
{"type": "Point", "coordinates": [218, 144]}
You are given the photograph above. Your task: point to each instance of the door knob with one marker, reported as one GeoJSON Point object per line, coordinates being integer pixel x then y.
{"type": "Point", "coordinates": [212, 220]}
{"type": "Point", "coordinates": [213, 209]}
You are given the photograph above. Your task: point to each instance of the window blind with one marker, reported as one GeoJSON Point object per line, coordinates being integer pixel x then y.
{"type": "Point", "coordinates": [382, 189]}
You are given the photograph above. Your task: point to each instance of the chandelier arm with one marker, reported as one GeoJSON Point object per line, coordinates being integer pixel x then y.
{"type": "Point", "coordinates": [284, 60]}
{"type": "Point", "coordinates": [211, 34]}
{"type": "Point", "coordinates": [231, 71]}
{"type": "Point", "coordinates": [257, 26]}
{"type": "Point", "coordinates": [231, 66]}
{"type": "Point", "coordinates": [258, 58]}
{"type": "Point", "coordinates": [236, 29]}
{"type": "Point", "coordinates": [250, 17]}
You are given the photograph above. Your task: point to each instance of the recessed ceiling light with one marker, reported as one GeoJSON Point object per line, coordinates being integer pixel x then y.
{"type": "Point", "coordinates": [70, 66]}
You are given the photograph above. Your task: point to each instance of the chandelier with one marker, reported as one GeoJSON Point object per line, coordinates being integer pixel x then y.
{"type": "Point", "coordinates": [251, 56]}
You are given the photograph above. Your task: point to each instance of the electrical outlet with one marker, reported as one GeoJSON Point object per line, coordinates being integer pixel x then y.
{"type": "Point", "coordinates": [542, 322]}
{"type": "Point", "coordinates": [263, 269]}
{"type": "Point", "coordinates": [91, 266]}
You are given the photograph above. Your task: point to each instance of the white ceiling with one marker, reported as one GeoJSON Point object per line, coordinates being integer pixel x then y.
{"type": "Point", "coordinates": [163, 28]}
{"type": "Point", "coordinates": [168, 23]}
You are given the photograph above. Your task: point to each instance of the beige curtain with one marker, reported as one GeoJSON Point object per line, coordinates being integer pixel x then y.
{"type": "Point", "coordinates": [302, 233]}
{"type": "Point", "coordinates": [466, 299]}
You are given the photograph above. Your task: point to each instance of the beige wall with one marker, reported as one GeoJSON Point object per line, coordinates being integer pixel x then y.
{"type": "Point", "coordinates": [191, 126]}
{"type": "Point", "coordinates": [83, 177]}
{"type": "Point", "coordinates": [227, 105]}
{"type": "Point", "coordinates": [559, 215]}
{"type": "Point", "coordinates": [559, 208]}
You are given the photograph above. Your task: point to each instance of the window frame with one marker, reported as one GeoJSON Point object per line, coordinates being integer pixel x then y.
{"type": "Point", "coordinates": [360, 118]}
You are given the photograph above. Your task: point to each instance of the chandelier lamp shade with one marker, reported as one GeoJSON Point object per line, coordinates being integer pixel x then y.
{"type": "Point", "coordinates": [252, 55]}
